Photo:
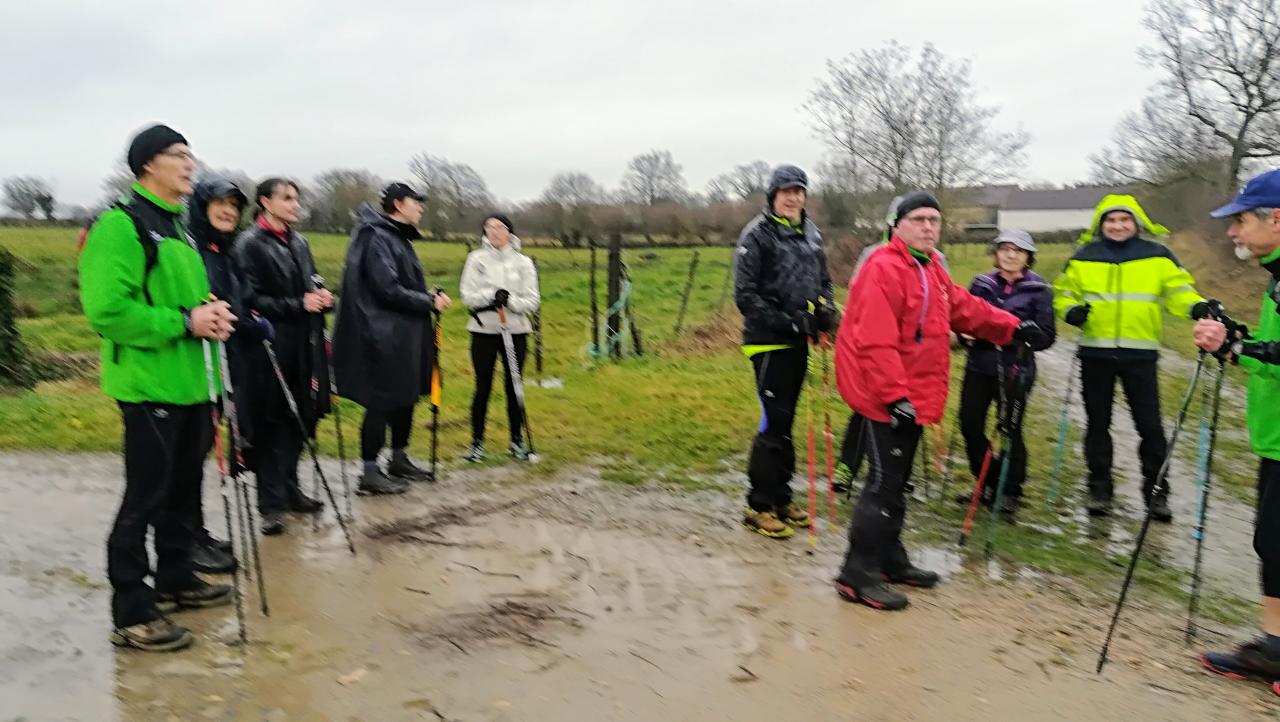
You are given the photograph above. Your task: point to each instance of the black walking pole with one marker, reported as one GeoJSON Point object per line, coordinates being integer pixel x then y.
{"type": "Point", "coordinates": [1206, 477]}
{"type": "Point", "coordinates": [1017, 407]}
{"type": "Point", "coordinates": [248, 536]}
{"type": "Point", "coordinates": [437, 391]}
{"type": "Point", "coordinates": [222, 482]}
{"type": "Point", "coordinates": [1146, 519]}
{"type": "Point", "coordinates": [517, 383]}
{"type": "Point", "coordinates": [311, 442]}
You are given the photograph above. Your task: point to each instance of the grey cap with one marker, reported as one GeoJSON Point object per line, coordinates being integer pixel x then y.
{"type": "Point", "coordinates": [1017, 237]}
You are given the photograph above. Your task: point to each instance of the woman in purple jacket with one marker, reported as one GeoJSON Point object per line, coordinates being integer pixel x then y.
{"type": "Point", "coordinates": [1014, 287]}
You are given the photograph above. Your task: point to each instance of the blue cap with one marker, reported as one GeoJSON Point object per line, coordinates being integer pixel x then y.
{"type": "Point", "coordinates": [1260, 192]}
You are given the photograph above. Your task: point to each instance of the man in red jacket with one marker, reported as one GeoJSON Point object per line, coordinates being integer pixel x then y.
{"type": "Point", "coordinates": [892, 366]}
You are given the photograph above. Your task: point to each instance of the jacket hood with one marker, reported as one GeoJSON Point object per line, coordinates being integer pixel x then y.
{"type": "Point", "coordinates": [206, 191]}
{"type": "Point", "coordinates": [514, 242]}
{"type": "Point", "coordinates": [1129, 205]}
{"type": "Point", "coordinates": [369, 217]}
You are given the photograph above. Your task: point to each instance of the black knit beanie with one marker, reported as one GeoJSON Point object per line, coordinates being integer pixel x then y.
{"type": "Point", "coordinates": [913, 201]}
{"type": "Point", "coordinates": [150, 143]}
{"type": "Point", "coordinates": [501, 219]}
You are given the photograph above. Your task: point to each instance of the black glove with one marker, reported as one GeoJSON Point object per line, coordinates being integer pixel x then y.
{"type": "Point", "coordinates": [901, 413]}
{"type": "Point", "coordinates": [1077, 315]}
{"type": "Point", "coordinates": [805, 324]}
{"type": "Point", "coordinates": [501, 297]}
{"type": "Point", "coordinates": [826, 318]}
{"type": "Point", "coordinates": [1031, 334]}
{"type": "Point", "coordinates": [1268, 352]}
{"type": "Point", "coordinates": [1202, 309]}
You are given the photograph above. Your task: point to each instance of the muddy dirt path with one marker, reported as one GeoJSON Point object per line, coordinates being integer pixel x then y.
{"type": "Point", "coordinates": [488, 598]}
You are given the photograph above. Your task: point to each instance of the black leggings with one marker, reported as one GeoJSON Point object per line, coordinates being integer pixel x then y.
{"type": "Point", "coordinates": [1266, 526]}
{"type": "Point", "coordinates": [373, 430]}
{"type": "Point", "coordinates": [486, 348]}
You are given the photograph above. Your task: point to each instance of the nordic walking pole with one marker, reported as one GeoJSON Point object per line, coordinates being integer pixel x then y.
{"type": "Point", "coordinates": [1013, 429]}
{"type": "Point", "coordinates": [1146, 519]}
{"type": "Point", "coordinates": [812, 468]}
{"type": "Point", "coordinates": [247, 536]}
{"type": "Point", "coordinates": [947, 464]}
{"type": "Point", "coordinates": [825, 350]}
{"type": "Point", "coordinates": [437, 392]}
{"type": "Point", "coordinates": [517, 382]}
{"type": "Point", "coordinates": [318, 281]}
{"type": "Point", "coordinates": [310, 441]}
{"type": "Point", "coordinates": [980, 483]}
{"type": "Point", "coordinates": [1064, 424]}
{"type": "Point", "coordinates": [222, 484]}
{"type": "Point", "coordinates": [1206, 476]}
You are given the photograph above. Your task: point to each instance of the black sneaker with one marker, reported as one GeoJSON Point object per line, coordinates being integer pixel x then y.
{"type": "Point", "coordinates": [475, 452]}
{"type": "Point", "coordinates": [913, 577]}
{"type": "Point", "coordinates": [377, 484]}
{"type": "Point", "coordinates": [1158, 506]}
{"type": "Point", "coordinates": [1251, 659]}
{"type": "Point", "coordinates": [272, 523]}
{"type": "Point", "coordinates": [210, 560]}
{"type": "Point", "coordinates": [300, 503]}
{"type": "Point", "coordinates": [204, 537]}
{"type": "Point", "coordinates": [1098, 505]}
{"type": "Point", "coordinates": [406, 469]}
{"type": "Point", "coordinates": [158, 635]}
{"type": "Point", "coordinates": [519, 451]}
{"type": "Point", "coordinates": [202, 595]}
{"type": "Point", "coordinates": [876, 596]}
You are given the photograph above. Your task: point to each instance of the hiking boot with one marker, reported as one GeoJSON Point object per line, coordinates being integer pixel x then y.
{"type": "Point", "coordinates": [475, 452]}
{"type": "Point", "coordinates": [376, 484]}
{"type": "Point", "coordinates": [202, 595]}
{"type": "Point", "coordinates": [404, 468]}
{"type": "Point", "coordinates": [302, 504]}
{"type": "Point", "coordinates": [913, 577]}
{"type": "Point", "coordinates": [519, 451]}
{"type": "Point", "coordinates": [272, 523]}
{"type": "Point", "coordinates": [876, 596]}
{"type": "Point", "coordinates": [1252, 659]}
{"type": "Point", "coordinates": [211, 560]}
{"type": "Point", "coordinates": [766, 523]}
{"type": "Point", "coordinates": [158, 635]}
{"type": "Point", "coordinates": [794, 515]}
{"type": "Point", "coordinates": [1098, 505]}
{"type": "Point", "coordinates": [1158, 507]}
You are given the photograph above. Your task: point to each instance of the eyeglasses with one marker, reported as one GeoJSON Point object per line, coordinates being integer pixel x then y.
{"type": "Point", "coordinates": [924, 220]}
{"type": "Point", "coordinates": [180, 155]}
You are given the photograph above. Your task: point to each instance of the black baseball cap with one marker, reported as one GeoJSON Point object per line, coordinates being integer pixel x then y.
{"type": "Point", "coordinates": [398, 190]}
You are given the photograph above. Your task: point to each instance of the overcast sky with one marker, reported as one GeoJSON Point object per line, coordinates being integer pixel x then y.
{"type": "Point", "coordinates": [521, 90]}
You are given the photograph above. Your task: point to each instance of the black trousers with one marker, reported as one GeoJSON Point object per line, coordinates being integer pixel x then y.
{"type": "Point", "coordinates": [373, 430]}
{"type": "Point", "coordinates": [853, 451]}
{"type": "Point", "coordinates": [486, 349]}
{"type": "Point", "coordinates": [779, 379]}
{"type": "Point", "coordinates": [977, 393]}
{"type": "Point", "coordinates": [164, 450]}
{"type": "Point", "coordinates": [1140, 381]}
{"type": "Point", "coordinates": [1266, 526]}
{"type": "Point", "coordinates": [875, 534]}
{"type": "Point", "coordinates": [278, 447]}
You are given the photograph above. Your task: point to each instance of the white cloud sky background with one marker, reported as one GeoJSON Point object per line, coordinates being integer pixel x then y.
{"type": "Point", "coordinates": [521, 90]}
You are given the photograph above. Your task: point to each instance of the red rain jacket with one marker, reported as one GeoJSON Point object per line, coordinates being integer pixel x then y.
{"type": "Point", "coordinates": [895, 341]}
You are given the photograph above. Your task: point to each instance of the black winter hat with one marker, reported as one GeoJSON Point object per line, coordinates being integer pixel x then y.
{"type": "Point", "coordinates": [914, 201]}
{"type": "Point", "coordinates": [397, 191]}
{"type": "Point", "coordinates": [786, 176]}
{"type": "Point", "coordinates": [499, 218]}
{"type": "Point", "coordinates": [150, 143]}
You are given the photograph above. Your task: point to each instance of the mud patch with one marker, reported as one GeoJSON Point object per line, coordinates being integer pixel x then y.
{"type": "Point", "coordinates": [528, 621]}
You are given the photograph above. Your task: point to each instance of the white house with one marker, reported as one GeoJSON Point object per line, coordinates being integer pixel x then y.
{"type": "Point", "coordinates": [1050, 210]}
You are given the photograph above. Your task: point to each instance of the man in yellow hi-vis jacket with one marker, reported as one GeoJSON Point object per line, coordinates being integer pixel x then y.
{"type": "Point", "coordinates": [1112, 289]}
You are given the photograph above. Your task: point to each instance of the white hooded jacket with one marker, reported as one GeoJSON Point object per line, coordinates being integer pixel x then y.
{"type": "Point", "coordinates": [489, 269]}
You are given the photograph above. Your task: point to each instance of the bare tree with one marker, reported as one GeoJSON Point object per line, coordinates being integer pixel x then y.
{"type": "Point", "coordinates": [899, 124]}
{"type": "Point", "coordinates": [336, 194]}
{"type": "Point", "coordinates": [652, 178]}
{"type": "Point", "coordinates": [27, 194]}
{"type": "Point", "coordinates": [455, 185]}
{"type": "Point", "coordinates": [116, 184]}
{"type": "Point", "coordinates": [573, 189]}
{"type": "Point", "coordinates": [1219, 99]}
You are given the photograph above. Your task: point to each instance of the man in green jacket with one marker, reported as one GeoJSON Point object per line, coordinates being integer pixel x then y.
{"type": "Point", "coordinates": [1255, 231]}
{"type": "Point", "coordinates": [1113, 289]}
{"type": "Point", "coordinates": [144, 290]}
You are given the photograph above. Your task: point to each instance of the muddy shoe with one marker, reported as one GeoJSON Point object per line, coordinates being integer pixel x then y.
{"type": "Point", "coordinates": [1098, 505]}
{"type": "Point", "coordinates": [377, 484]}
{"type": "Point", "coordinates": [1158, 506]}
{"type": "Point", "coordinates": [404, 468]}
{"type": "Point", "coordinates": [202, 595]}
{"type": "Point", "coordinates": [475, 452]}
{"type": "Point", "coordinates": [1251, 660]}
{"type": "Point", "coordinates": [159, 635]}
{"type": "Point", "coordinates": [794, 515]}
{"type": "Point", "coordinates": [766, 523]}
{"type": "Point", "coordinates": [210, 560]}
{"type": "Point", "coordinates": [272, 523]}
{"type": "Point", "coordinates": [913, 577]}
{"type": "Point", "coordinates": [876, 596]}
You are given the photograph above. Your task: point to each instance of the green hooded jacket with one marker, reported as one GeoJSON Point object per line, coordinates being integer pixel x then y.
{"type": "Point", "coordinates": [147, 355]}
{"type": "Point", "coordinates": [1263, 390]}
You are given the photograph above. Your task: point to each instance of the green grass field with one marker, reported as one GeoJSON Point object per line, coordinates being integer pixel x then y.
{"type": "Point", "coordinates": [683, 414]}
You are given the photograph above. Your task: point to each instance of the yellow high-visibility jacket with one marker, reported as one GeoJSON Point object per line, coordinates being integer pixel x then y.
{"type": "Point", "coordinates": [1125, 284]}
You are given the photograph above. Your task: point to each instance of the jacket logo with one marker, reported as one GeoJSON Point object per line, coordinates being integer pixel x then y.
{"type": "Point", "coordinates": [160, 413]}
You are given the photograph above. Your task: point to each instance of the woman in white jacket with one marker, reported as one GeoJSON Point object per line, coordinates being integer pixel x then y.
{"type": "Point", "coordinates": [497, 275]}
